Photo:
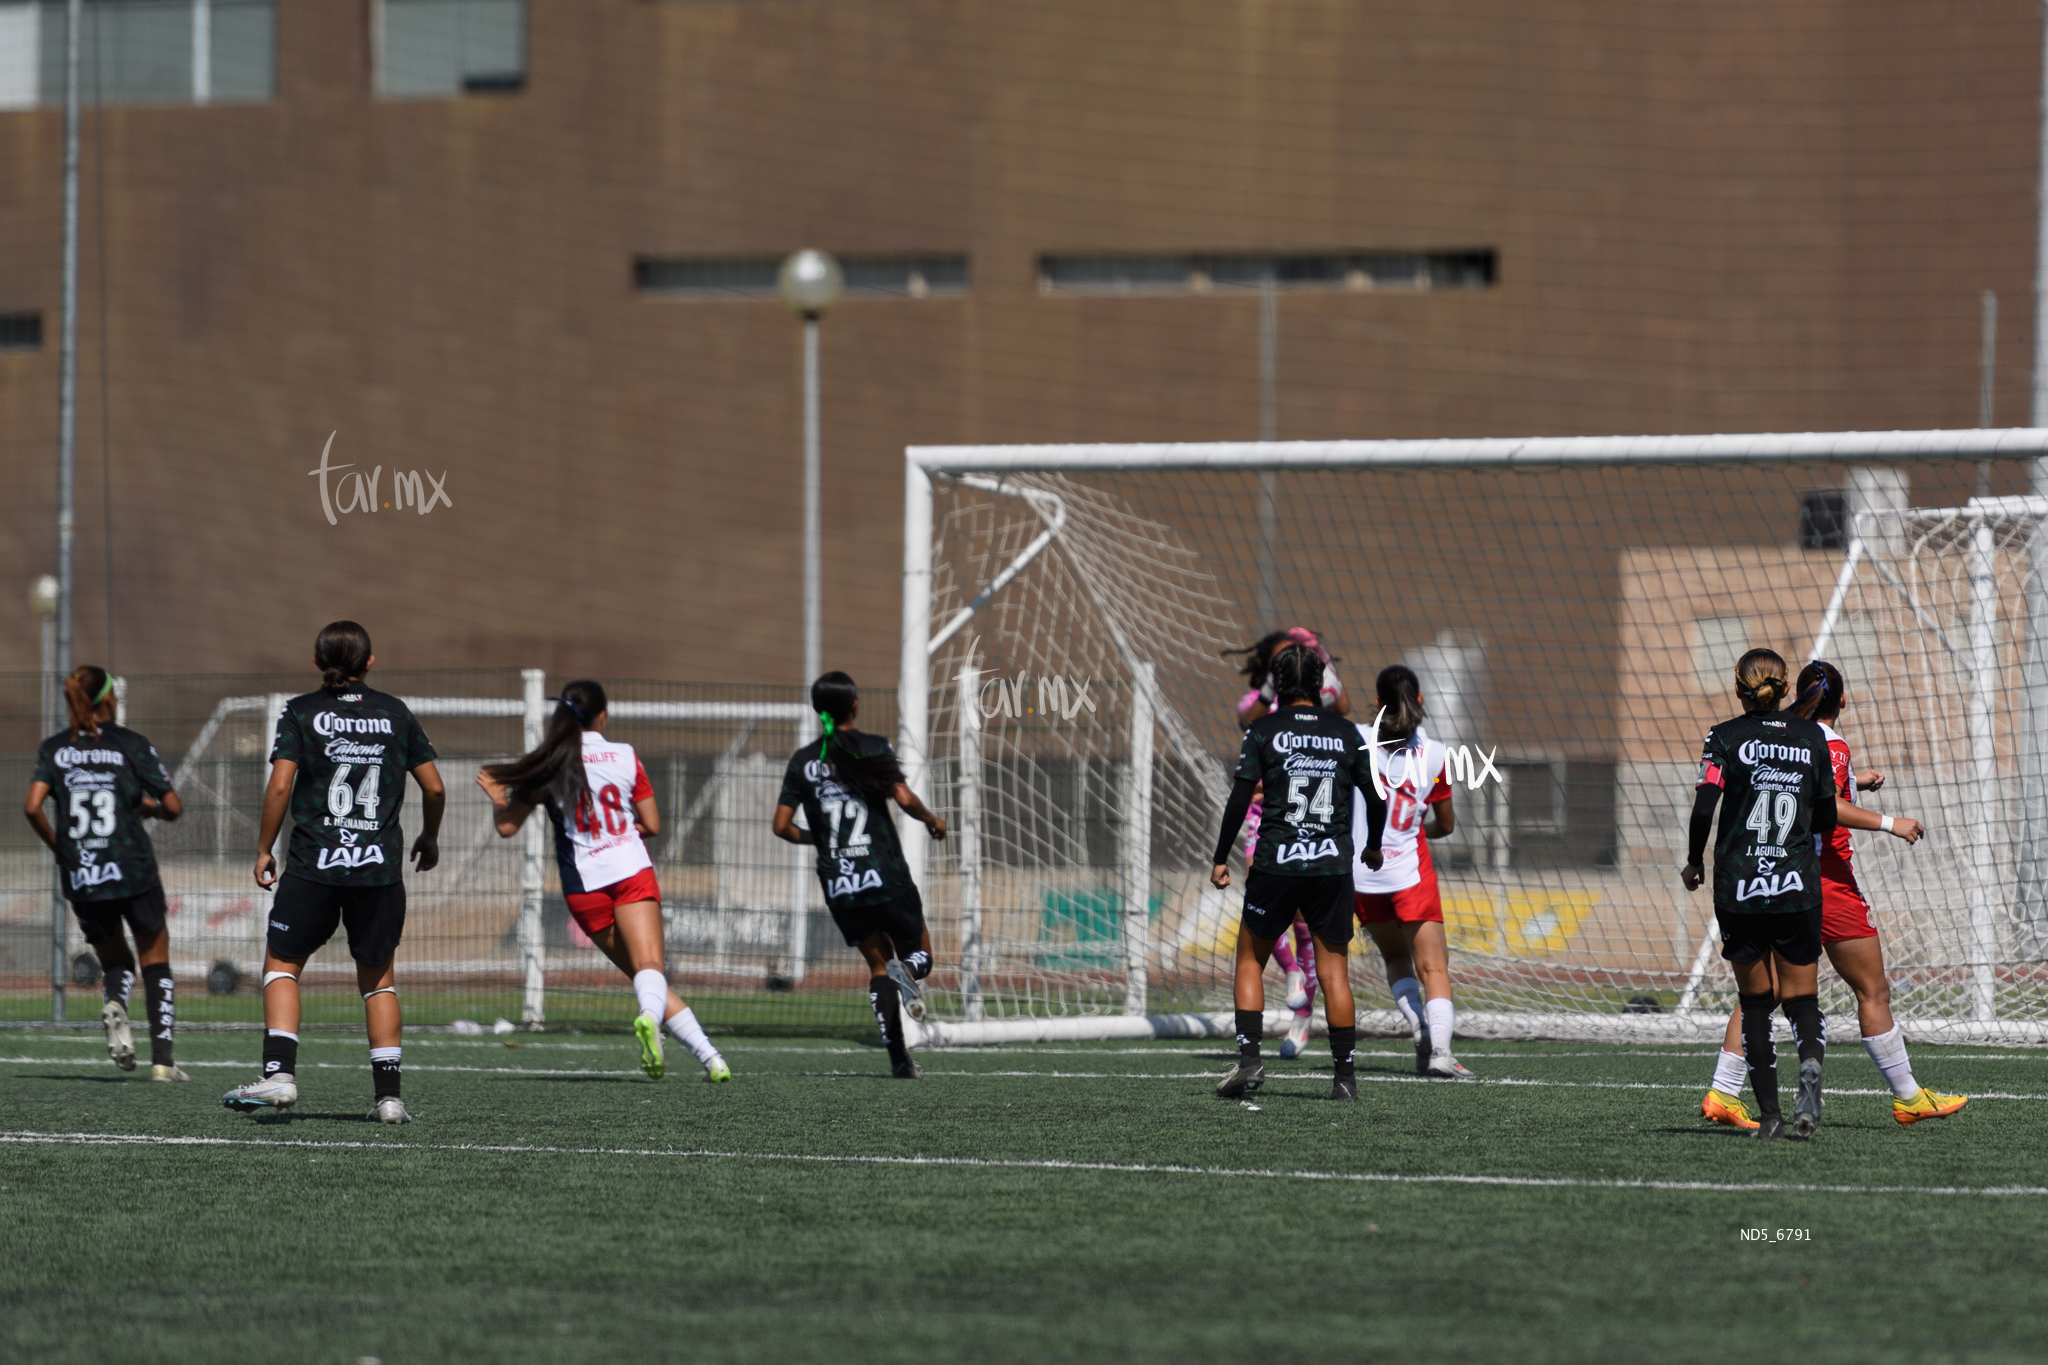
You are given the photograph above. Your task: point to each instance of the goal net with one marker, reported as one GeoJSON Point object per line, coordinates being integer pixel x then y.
{"type": "Point", "coordinates": [1574, 608]}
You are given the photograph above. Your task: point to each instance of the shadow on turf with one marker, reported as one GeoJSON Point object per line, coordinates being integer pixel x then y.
{"type": "Point", "coordinates": [122, 1079]}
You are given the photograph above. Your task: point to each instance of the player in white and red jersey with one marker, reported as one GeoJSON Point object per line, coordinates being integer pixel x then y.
{"type": "Point", "coordinates": [1295, 950]}
{"type": "Point", "coordinates": [602, 808]}
{"type": "Point", "coordinates": [1398, 904]}
{"type": "Point", "coordinates": [1846, 933]}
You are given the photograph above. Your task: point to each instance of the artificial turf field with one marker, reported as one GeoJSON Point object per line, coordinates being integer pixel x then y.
{"type": "Point", "coordinates": [1072, 1202]}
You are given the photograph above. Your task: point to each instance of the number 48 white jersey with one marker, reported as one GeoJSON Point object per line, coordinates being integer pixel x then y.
{"type": "Point", "coordinates": [1415, 780]}
{"type": "Point", "coordinates": [600, 844]}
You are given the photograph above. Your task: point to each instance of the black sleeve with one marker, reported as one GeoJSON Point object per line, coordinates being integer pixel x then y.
{"type": "Point", "coordinates": [1704, 799]}
{"type": "Point", "coordinates": [1824, 820]}
{"type": "Point", "coordinates": [1375, 817]}
{"type": "Point", "coordinates": [1233, 818]}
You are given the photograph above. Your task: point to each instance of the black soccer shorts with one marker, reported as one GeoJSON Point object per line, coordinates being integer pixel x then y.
{"type": "Point", "coordinates": [1794, 937]}
{"type": "Point", "coordinates": [1271, 902]}
{"type": "Point", "coordinates": [306, 913]}
{"type": "Point", "coordinates": [902, 919]}
{"type": "Point", "coordinates": [101, 920]}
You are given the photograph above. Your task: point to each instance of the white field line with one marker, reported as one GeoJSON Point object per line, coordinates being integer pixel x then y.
{"type": "Point", "coordinates": [1001, 1164]}
{"type": "Point", "coordinates": [1272, 1078]}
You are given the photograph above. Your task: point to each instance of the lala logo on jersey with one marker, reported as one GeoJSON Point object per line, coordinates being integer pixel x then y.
{"type": "Point", "coordinates": [92, 872]}
{"type": "Point", "coordinates": [1768, 886]}
{"type": "Point", "coordinates": [1307, 851]}
{"type": "Point", "coordinates": [350, 857]}
{"type": "Point", "coordinates": [871, 880]}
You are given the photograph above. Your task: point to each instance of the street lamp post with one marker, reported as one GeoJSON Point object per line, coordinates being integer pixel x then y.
{"type": "Point", "coordinates": [42, 600]}
{"type": "Point", "coordinates": [810, 282]}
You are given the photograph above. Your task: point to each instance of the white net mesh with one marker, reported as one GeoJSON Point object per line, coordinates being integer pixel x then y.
{"type": "Point", "coordinates": [1577, 627]}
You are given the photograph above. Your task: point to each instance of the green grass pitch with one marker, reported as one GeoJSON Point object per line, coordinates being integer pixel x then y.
{"type": "Point", "coordinates": [1051, 1203]}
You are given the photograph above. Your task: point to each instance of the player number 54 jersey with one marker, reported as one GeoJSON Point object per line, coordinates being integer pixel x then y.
{"type": "Point", "coordinates": [1311, 760]}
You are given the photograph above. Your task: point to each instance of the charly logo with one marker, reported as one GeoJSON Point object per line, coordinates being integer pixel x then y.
{"type": "Point", "coordinates": [1055, 699]}
{"type": "Point", "coordinates": [358, 492]}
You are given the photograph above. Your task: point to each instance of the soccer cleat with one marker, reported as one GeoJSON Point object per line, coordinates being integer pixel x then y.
{"type": "Point", "coordinates": [1344, 1088]}
{"type": "Point", "coordinates": [274, 1092]}
{"type": "Point", "coordinates": [1928, 1104]}
{"type": "Point", "coordinates": [1770, 1126]}
{"type": "Point", "coordinates": [390, 1109]}
{"type": "Point", "coordinates": [120, 1039]}
{"type": "Point", "coordinates": [160, 1072]}
{"type": "Point", "coordinates": [1726, 1109]}
{"type": "Point", "coordinates": [1245, 1078]}
{"type": "Point", "coordinates": [1297, 989]}
{"type": "Point", "coordinates": [716, 1070]}
{"type": "Point", "coordinates": [649, 1035]}
{"type": "Point", "coordinates": [1296, 1041]}
{"type": "Point", "coordinates": [1448, 1068]}
{"type": "Point", "coordinates": [908, 991]}
{"type": "Point", "coordinates": [1806, 1109]}
{"type": "Point", "coordinates": [905, 1070]}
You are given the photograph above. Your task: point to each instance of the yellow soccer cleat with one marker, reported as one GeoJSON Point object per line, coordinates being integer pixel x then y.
{"type": "Point", "coordinates": [1926, 1105]}
{"type": "Point", "coordinates": [1727, 1109]}
{"type": "Point", "coordinates": [648, 1034]}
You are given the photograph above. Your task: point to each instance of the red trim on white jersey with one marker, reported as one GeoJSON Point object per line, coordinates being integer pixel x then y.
{"type": "Point", "coordinates": [600, 844]}
{"type": "Point", "coordinates": [1415, 778]}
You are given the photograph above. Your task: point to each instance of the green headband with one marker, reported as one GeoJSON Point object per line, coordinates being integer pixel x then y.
{"type": "Point", "coordinates": [105, 688]}
{"type": "Point", "coordinates": [825, 719]}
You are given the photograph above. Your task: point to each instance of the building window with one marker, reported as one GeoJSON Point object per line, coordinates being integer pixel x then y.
{"type": "Point", "coordinates": [1824, 520]}
{"type": "Point", "coordinates": [21, 331]}
{"type": "Point", "coordinates": [909, 277]}
{"type": "Point", "coordinates": [141, 52]}
{"type": "Point", "coordinates": [1191, 273]}
{"type": "Point", "coordinates": [435, 49]}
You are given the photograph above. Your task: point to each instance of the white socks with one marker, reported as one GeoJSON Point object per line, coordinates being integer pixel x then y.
{"type": "Point", "coordinates": [1440, 1013]}
{"type": "Point", "coordinates": [690, 1034]}
{"type": "Point", "coordinates": [1408, 1000]}
{"type": "Point", "coordinates": [1730, 1071]}
{"type": "Point", "coordinates": [386, 1054]}
{"type": "Point", "coordinates": [1888, 1050]}
{"type": "Point", "coordinates": [651, 989]}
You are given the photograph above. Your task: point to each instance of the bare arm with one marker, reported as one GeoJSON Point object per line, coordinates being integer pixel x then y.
{"type": "Point", "coordinates": [646, 817]}
{"type": "Point", "coordinates": [277, 794]}
{"type": "Point", "coordinates": [788, 830]}
{"type": "Point", "coordinates": [915, 809]}
{"type": "Point", "coordinates": [166, 809]}
{"type": "Point", "coordinates": [1440, 821]}
{"type": "Point", "coordinates": [39, 792]}
{"type": "Point", "coordinates": [426, 850]}
{"type": "Point", "coordinates": [507, 815]}
{"type": "Point", "coordinates": [1852, 816]}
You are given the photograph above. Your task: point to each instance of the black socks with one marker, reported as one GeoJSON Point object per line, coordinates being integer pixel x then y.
{"type": "Point", "coordinates": [920, 964]}
{"type": "Point", "coordinates": [1759, 1051]}
{"type": "Point", "coordinates": [163, 1015]}
{"type": "Point", "coordinates": [280, 1053]}
{"type": "Point", "coordinates": [117, 982]}
{"type": "Point", "coordinates": [1251, 1028]}
{"type": "Point", "coordinates": [1343, 1044]}
{"type": "Point", "coordinates": [888, 1008]}
{"type": "Point", "coordinates": [384, 1072]}
{"type": "Point", "coordinates": [1809, 1026]}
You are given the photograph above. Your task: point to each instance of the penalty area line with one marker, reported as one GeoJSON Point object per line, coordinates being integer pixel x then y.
{"type": "Point", "coordinates": [1013, 1164]}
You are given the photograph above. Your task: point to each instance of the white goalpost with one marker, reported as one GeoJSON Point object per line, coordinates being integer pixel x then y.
{"type": "Point", "coordinates": [1574, 606]}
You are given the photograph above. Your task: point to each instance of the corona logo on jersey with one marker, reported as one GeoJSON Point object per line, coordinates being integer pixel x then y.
{"type": "Point", "coordinates": [1463, 763]}
{"type": "Point", "coordinates": [1308, 851]}
{"type": "Point", "coordinates": [1754, 751]}
{"type": "Point", "coordinates": [327, 725]}
{"type": "Point", "coordinates": [1286, 743]}
{"type": "Point", "coordinates": [68, 757]}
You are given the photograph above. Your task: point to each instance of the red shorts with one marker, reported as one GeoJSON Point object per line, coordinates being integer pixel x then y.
{"type": "Point", "coordinates": [1417, 904]}
{"type": "Point", "coordinates": [593, 909]}
{"type": "Point", "coordinates": [1844, 914]}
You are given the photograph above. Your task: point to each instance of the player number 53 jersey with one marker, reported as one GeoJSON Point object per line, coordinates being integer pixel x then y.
{"type": "Point", "coordinates": [1773, 770]}
{"type": "Point", "coordinates": [98, 784]}
{"type": "Point", "coordinates": [353, 750]}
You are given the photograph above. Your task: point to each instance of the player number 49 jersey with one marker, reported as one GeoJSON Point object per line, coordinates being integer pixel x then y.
{"type": "Point", "coordinates": [1773, 770]}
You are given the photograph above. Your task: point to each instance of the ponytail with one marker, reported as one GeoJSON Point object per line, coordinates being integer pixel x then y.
{"type": "Point", "coordinates": [873, 777]}
{"type": "Point", "coordinates": [342, 653]}
{"type": "Point", "coordinates": [1760, 680]}
{"type": "Point", "coordinates": [1297, 675]}
{"type": "Point", "coordinates": [1400, 695]}
{"type": "Point", "coordinates": [554, 770]}
{"type": "Point", "coordinates": [1820, 691]}
{"type": "Point", "coordinates": [84, 690]}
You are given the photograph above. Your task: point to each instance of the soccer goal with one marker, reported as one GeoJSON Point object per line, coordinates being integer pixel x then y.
{"type": "Point", "coordinates": [1574, 608]}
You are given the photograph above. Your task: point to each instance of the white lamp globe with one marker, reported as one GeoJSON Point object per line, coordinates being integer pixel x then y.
{"type": "Point", "coordinates": [810, 282]}
{"type": "Point", "coordinates": [42, 596]}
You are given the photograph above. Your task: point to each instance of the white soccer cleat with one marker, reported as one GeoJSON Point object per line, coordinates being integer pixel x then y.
{"type": "Point", "coordinates": [1297, 989]}
{"type": "Point", "coordinates": [1449, 1068]}
{"type": "Point", "coordinates": [1296, 1041]}
{"type": "Point", "coordinates": [278, 1092]}
{"type": "Point", "coordinates": [120, 1038]}
{"type": "Point", "coordinates": [160, 1072]}
{"type": "Point", "coordinates": [716, 1071]}
{"type": "Point", "coordinates": [908, 992]}
{"type": "Point", "coordinates": [391, 1110]}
